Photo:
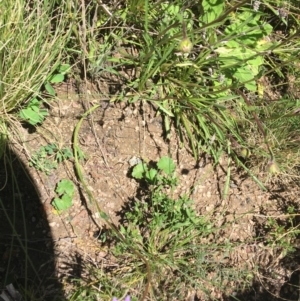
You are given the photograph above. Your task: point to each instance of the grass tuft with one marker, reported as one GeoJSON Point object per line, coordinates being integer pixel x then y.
{"type": "Point", "coordinates": [33, 35]}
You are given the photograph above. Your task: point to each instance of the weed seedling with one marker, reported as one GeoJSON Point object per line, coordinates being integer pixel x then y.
{"type": "Point", "coordinates": [57, 77]}
{"type": "Point", "coordinates": [282, 234]}
{"type": "Point", "coordinates": [33, 113]}
{"type": "Point", "coordinates": [162, 174]}
{"type": "Point", "coordinates": [171, 235]}
{"type": "Point", "coordinates": [65, 192]}
{"type": "Point", "coordinates": [49, 156]}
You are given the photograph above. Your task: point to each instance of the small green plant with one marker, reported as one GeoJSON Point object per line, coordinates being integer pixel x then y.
{"type": "Point", "coordinates": [49, 156]}
{"type": "Point", "coordinates": [57, 77]}
{"type": "Point", "coordinates": [242, 57]}
{"type": "Point", "coordinates": [162, 174]}
{"type": "Point", "coordinates": [65, 192]}
{"type": "Point", "coordinates": [171, 235]}
{"type": "Point", "coordinates": [283, 233]}
{"type": "Point", "coordinates": [33, 113]}
{"type": "Point", "coordinates": [163, 248]}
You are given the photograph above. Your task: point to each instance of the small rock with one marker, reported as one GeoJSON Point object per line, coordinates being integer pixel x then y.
{"type": "Point", "coordinates": [209, 207]}
{"type": "Point", "coordinates": [134, 161]}
{"type": "Point", "coordinates": [232, 185]}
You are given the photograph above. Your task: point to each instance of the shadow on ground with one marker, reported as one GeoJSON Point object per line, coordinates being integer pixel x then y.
{"type": "Point", "coordinates": [27, 258]}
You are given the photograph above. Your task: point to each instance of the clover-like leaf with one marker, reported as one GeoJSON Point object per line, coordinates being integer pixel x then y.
{"type": "Point", "coordinates": [62, 203]}
{"type": "Point", "coordinates": [65, 187]}
{"type": "Point", "coordinates": [139, 171]}
{"type": "Point", "coordinates": [151, 174]}
{"type": "Point", "coordinates": [166, 164]}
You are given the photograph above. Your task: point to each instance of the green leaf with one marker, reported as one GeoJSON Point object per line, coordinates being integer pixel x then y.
{"type": "Point", "coordinates": [251, 86]}
{"type": "Point", "coordinates": [64, 68]}
{"type": "Point", "coordinates": [59, 157]}
{"type": "Point", "coordinates": [57, 78]}
{"type": "Point", "coordinates": [65, 187]}
{"type": "Point", "coordinates": [166, 164]}
{"type": "Point", "coordinates": [31, 116]}
{"type": "Point", "coordinates": [255, 62]}
{"type": "Point", "coordinates": [63, 203]}
{"type": "Point", "coordinates": [212, 9]}
{"type": "Point", "coordinates": [51, 148]}
{"type": "Point", "coordinates": [151, 175]}
{"type": "Point", "coordinates": [249, 28]}
{"type": "Point", "coordinates": [104, 216]}
{"type": "Point", "coordinates": [139, 170]}
{"type": "Point", "coordinates": [246, 75]}
{"type": "Point", "coordinates": [49, 89]}
{"type": "Point", "coordinates": [67, 153]}
{"type": "Point", "coordinates": [34, 102]}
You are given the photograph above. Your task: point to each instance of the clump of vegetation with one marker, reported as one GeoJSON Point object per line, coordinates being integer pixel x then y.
{"type": "Point", "coordinates": [213, 70]}
{"type": "Point", "coordinates": [33, 34]}
{"type": "Point", "coordinates": [47, 157]}
{"type": "Point", "coordinates": [209, 69]}
{"type": "Point", "coordinates": [167, 249]}
{"type": "Point", "coordinates": [203, 67]}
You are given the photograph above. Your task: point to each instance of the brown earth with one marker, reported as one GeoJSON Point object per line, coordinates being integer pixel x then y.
{"type": "Point", "coordinates": [110, 138]}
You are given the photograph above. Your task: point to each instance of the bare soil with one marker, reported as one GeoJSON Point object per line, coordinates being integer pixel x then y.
{"type": "Point", "coordinates": [113, 135]}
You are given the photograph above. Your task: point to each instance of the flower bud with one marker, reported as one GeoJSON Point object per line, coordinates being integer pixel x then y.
{"type": "Point", "coordinates": [185, 45]}
{"type": "Point", "coordinates": [273, 168]}
{"type": "Point", "coordinates": [245, 153]}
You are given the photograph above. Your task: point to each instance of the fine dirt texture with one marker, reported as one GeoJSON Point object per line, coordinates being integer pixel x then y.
{"type": "Point", "coordinates": [113, 137]}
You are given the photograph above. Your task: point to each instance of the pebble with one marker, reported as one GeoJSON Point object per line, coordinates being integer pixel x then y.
{"type": "Point", "coordinates": [134, 161]}
{"type": "Point", "coordinates": [209, 207]}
